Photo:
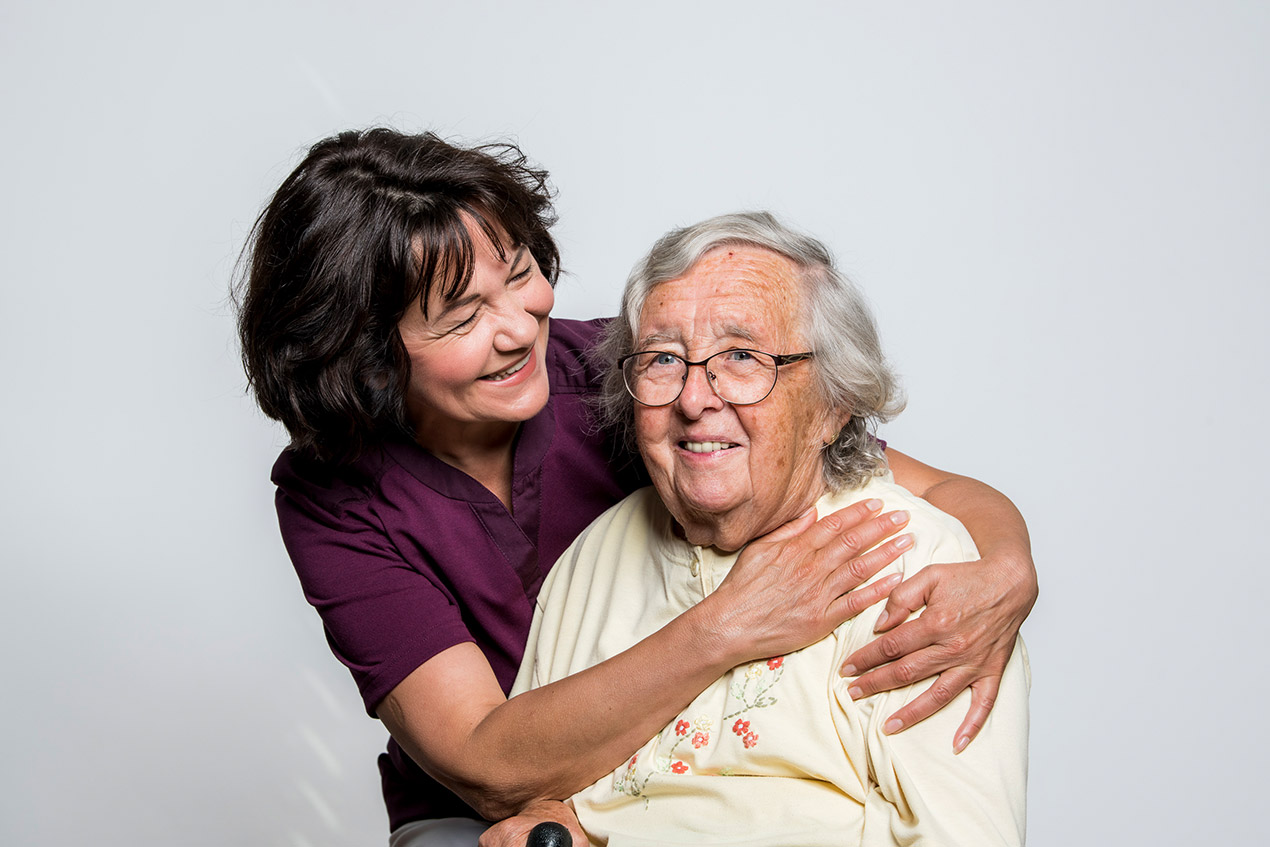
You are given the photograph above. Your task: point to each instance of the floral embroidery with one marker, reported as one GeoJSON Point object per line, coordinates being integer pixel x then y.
{"type": "Point", "coordinates": [754, 693]}
{"type": "Point", "coordinates": [625, 780]}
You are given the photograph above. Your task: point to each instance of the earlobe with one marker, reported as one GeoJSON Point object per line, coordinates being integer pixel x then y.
{"type": "Point", "coordinates": [833, 434]}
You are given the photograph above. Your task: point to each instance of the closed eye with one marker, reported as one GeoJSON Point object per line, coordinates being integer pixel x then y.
{"type": "Point", "coordinates": [521, 275]}
{"type": "Point", "coordinates": [466, 323]}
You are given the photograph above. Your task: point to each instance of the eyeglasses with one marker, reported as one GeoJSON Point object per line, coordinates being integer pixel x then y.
{"type": "Point", "coordinates": [738, 376]}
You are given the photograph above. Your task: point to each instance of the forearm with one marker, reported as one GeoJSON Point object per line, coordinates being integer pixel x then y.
{"type": "Point", "coordinates": [551, 742]}
{"type": "Point", "coordinates": [994, 523]}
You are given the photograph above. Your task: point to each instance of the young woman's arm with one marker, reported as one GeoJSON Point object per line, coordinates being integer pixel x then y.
{"type": "Point", "coordinates": [973, 609]}
{"type": "Point", "coordinates": [789, 589]}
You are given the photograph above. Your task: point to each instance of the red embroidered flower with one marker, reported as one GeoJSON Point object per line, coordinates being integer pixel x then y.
{"type": "Point", "coordinates": [681, 728]}
{"type": "Point", "coordinates": [751, 738]}
{"type": "Point", "coordinates": [741, 727]}
{"type": "Point", "coordinates": [775, 662]}
{"type": "Point", "coordinates": [701, 739]}
{"type": "Point", "coordinates": [679, 767]}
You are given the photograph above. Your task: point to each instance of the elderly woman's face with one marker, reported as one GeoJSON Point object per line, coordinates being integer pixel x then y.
{"type": "Point", "coordinates": [731, 473]}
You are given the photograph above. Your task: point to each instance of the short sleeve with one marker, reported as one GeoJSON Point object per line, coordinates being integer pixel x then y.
{"type": "Point", "coordinates": [383, 616]}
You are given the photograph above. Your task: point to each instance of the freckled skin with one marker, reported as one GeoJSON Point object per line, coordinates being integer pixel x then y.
{"type": "Point", "coordinates": [733, 297]}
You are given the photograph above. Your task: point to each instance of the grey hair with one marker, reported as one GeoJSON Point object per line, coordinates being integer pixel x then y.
{"type": "Point", "coordinates": [851, 372]}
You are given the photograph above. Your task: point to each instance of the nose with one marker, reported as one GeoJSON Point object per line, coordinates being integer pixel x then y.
{"type": "Point", "coordinates": [698, 393]}
{"type": "Point", "coordinates": [519, 327]}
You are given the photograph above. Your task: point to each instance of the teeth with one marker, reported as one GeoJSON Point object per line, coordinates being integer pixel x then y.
{"type": "Point", "coordinates": [706, 446]}
{"type": "Point", "coordinates": [502, 375]}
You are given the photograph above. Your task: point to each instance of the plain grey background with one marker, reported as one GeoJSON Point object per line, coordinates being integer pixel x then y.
{"type": "Point", "coordinates": [1059, 211]}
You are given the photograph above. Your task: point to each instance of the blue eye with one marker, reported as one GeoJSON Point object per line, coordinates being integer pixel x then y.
{"type": "Point", "coordinates": [739, 355]}
{"type": "Point", "coordinates": [665, 359]}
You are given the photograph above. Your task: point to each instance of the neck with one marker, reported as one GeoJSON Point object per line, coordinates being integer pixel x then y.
{"type": "Point", "coordinates": [728, 534]}
{"type": "Point", "coordinates": [483, 452]}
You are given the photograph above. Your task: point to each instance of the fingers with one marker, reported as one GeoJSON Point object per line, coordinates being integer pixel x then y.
{"type": "Point", "coordinates": [940, 694]}
{"type": "Point", "coordinates": [853, 602]}
{"type": "Point", "coordinates": [862, 568]}
{"type": "Point", "coordinates": [907, 599]}
{"type": "Point", "coordinates": [983, 696]}
{"type": "Point", "coordinates": [849, 532]}
{"type": "Point", "coordinates": [912, 651]}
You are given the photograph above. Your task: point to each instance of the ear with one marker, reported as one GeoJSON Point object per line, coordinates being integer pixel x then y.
{"type": "Point", "coordinates": [834, 425]}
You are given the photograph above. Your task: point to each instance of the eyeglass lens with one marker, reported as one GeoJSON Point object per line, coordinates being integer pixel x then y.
{"type": "Point", "coordinates": [737, 376]}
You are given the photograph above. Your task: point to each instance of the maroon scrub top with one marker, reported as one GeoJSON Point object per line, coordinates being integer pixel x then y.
{"type": "Point", "coordinates": [404, 556]}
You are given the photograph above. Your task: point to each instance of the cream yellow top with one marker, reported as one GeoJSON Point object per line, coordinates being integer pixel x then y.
{"type": "Point", "coordinates": [776, 752]}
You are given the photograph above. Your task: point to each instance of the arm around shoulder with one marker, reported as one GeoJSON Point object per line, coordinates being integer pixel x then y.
{"type": "Point", "coordinates": [973, 610]}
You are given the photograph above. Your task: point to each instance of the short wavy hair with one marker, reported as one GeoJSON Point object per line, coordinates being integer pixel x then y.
{"type": "Point", "coordinates": [370, 223]}
{"type": "Point", "coordinates": [851, 372]}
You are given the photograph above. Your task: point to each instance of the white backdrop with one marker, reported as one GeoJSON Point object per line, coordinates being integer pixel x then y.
{"type": "Point", "coordinates": [1060, 212]}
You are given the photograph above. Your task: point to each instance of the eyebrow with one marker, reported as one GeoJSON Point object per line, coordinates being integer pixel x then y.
{"type": "Point", "coordinates": [675, 337]}
{"type": "Point", "coordinates": [517, 256]}
{"type": "Point", "coordinates": [658, 338]}
{"type": "Point", "coordinates": [455, 305]}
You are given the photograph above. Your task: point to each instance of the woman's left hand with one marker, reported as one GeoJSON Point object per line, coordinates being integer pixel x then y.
{"type": "Point", "coordinates": [973, 611]}
{"type": "Point", "coordinates": [514, 831]}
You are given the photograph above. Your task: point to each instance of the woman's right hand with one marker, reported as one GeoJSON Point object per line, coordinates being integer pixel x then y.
{"type": "Point", "coordinates": [798, 583]}
{"type": "Point", "coordinates": [514, 831]}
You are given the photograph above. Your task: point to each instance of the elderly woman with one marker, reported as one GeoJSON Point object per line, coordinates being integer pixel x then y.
{"type": "Point", "coordinates": [751, 372]}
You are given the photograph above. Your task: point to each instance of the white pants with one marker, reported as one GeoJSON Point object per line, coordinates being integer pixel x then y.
{"type": "Point", "coordinates": [441, 832]}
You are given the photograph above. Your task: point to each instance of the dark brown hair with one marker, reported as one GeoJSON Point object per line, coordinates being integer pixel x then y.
{"type": "Point", "coordinates": [370, 223]}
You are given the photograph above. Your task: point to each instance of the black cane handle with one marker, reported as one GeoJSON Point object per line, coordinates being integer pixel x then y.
{"type": "Point", "coordinates": [549, 834]}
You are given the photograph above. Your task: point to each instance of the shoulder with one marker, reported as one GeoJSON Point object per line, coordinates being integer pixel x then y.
{"type": "Point", "coordinates": [316, 497]}
{"type": "Point", "coordinates": [324, 487]}
{"type": "Point", "coordinates": [568, 354]}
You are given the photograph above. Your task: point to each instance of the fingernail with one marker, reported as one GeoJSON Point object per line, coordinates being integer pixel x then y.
{"type": "Point", "coordinates": [899, 518]}
{"type": "Point", "coordinates": [854, 692]}
{"type": "Point", "coordinates": [881, 621]}
{"type": "Point", "coordinates": [873, 505]}
{"type": "Point", "coordinates": [904, 542]}
{"type": "Point", "coordinates": [849, 670]}
{"type": "Point", "coordinates": [960, 743]}
{"type": "Point", "coordinates": [893, 726]}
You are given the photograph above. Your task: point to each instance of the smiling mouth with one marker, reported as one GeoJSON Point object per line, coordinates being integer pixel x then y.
{"type": "Point", "coordinates": [707, 446]}
{"type": "Point", "coordinates": [502, 375]}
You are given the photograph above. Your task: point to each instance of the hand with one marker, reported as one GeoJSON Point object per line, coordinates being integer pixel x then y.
{"type": "Point", "coordinates": [965, 635]}
{"type": "Point", "coordinates": [795, 585]}
{"type": "Point", "coordinates": [514, 831]}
